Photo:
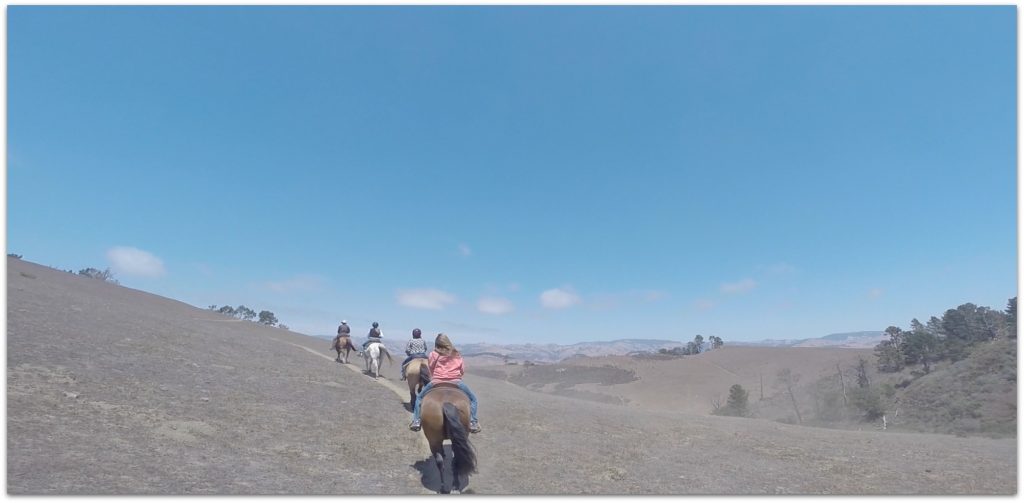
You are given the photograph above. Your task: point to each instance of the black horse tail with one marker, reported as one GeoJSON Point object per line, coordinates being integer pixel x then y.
{"type": "Point", "coordinates": [463, 456]}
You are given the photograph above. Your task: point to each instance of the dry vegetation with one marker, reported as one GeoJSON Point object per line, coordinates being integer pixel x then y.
{"type": "Point", "coordinates": [115, 391]}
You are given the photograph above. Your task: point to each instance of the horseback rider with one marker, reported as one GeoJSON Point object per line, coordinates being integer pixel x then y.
{"type": "Point", "coordinates": [415, 348]}
{"type": "Point", "coordinates": [375, 335]}
{"type": "Point", "coordinates": [446, 365]}
{"type": "Point", "coordinates": [343, 331]}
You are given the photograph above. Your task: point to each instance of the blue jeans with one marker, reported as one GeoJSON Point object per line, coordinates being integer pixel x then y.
{"type": "Point", "coordinates": [411, 358]}
{"type": "Point", "coordinates": [462, 386]}
{"type": "Point", "coordinates": [369, 341]}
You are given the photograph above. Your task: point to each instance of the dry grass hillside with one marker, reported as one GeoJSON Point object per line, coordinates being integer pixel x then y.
{"type": "Point", "coordinates": [115, 391]}
{"type": "Point", "coordinates": [687, 384]}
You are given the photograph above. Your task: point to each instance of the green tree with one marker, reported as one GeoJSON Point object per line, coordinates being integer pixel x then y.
{"type": "Point", "coordinates": [228, 310]}
{"type": "Point", "coordinates": [716, 342]}
{"type": "Point", "coordinates": [919, 346]}
{"type": "Point", "coordinates": [245, 313]}
{"type": "Point", "coordinates": [737, 401]}
{"type": "Point", "coordinates": [691, 348]}
{"type": "Point", "coordinates": [268, 318]}
{"type": "Point", "coordinates": [698, 343]}
{"type": "Point", "coordinates": [888, 352]}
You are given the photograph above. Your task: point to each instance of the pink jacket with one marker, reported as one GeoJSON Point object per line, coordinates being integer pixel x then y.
{"type": "Point", "coordinates": [444, 368]}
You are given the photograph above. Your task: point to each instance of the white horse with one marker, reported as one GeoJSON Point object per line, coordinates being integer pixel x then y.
{"type": "Point", "coordinates": [372, 356]}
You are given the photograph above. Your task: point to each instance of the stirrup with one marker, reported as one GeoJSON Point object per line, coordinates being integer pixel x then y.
{"type": "Point", "coordinates": [414, 426]}
{"type": "Point", "coordinates": [474, 427]}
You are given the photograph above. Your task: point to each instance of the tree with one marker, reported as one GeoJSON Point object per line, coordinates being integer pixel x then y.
{"type": "Point", "coordinates": [788, 380]}
{"type": "Point", "coordinates": [735, 405]}
{"type": "Point", "coordinates": [888, 352]}
{"type": "Point", "coordinates": [889, 358]}
{"type": "Point", "coordinates": [691, 348]}
{"type": "Point", "coordinates": [919, 346]}
{"type": "Point", "coordinates": [862, 373]}
{"type": "Point", "coordinates": [104, 275]}
{"type": "Point", "coordinates": [716, 342]}
{"type": "Point", "coordinates": [212, 307]}
{"type": "Point", "coordinates": [268, 318]}
{"type": "Point", "coordinates": [228, 310]}
{"type": "Point", "coordinates": [245, 313]}
{"type": "Point", "coordinates": [698, 343]}
{"type": "Point", "coordinates": [1011, 316]}
{"type": "Point", "coordinates": [737, 401]}
{"type": "Point", "coordinates": [14, 255]}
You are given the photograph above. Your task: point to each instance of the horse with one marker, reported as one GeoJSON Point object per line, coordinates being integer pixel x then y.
{"type": "Point", "coordinates": [372, 357]}
{"type": "Point", "coordinates": [343, 342]}
{"type": "Point", "coordinates": [412, 374]}
{"type": "Point", "coordinates": [445, 415]}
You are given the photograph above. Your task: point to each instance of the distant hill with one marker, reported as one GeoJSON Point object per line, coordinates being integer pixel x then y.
{"type": "Point", "coordinates": [859, 340]}
{"type": "Point", "coordinates": [486, 352]}
{"type": "Point", "coordinates": [493, 353]}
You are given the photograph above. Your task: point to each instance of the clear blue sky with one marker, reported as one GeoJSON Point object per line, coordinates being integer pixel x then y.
{"type": "Point", "coordinates": [530, 174]}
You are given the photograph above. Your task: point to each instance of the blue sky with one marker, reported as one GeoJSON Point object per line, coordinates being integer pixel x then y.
{"type": "Point", "coordinates": [525, 174]}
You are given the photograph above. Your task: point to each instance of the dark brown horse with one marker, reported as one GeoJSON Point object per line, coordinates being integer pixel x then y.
{"type": "Point", "coordinates": [412, 374]}
{"type": "Point", "coordinates": [445, 415]}
{"type": "Point", "coordinates": [343, 342]}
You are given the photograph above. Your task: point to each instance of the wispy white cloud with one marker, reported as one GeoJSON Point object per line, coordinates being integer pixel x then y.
{"type": "Point", "coordinates": [135, 262]}
{"type": "Point", "coordinates": [875, 293]}
{"type": "Point", "coordinates": [559, 298]}
{"type": "Point", "coordinates": [464, 250]}
{"type": "Point", "coordinates": [494, 305]}
{"type": "Point", "coordinates": [742, 286]}
{"type": "Point", "coordinates": [300, 283]}
{"type": "Point", "coordinates": [425, 298]}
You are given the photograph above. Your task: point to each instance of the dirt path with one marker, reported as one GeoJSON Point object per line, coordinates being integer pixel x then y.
{"type": "Point", "coordinates": [402, 392]}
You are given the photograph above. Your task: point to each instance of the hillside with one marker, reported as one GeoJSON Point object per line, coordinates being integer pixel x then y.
{"type": "Point", "coordinates": [115, 391]}
{"type": "Point", "coordinates": [688, 384]}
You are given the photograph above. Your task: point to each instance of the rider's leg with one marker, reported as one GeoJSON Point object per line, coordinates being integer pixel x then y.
{"type": "Point", "coordinates": [472, 400]}
{"type": "Point", "coordinates": [419, 401]}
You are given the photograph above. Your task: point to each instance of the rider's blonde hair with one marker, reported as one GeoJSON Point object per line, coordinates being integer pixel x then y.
{"type": "Point", "coordinates": [444, 347]}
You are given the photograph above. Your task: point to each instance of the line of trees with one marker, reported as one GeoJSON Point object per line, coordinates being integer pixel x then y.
{"type": "Point", "coordinates": [694, 347]}
{"type": "Point", "coordinates": [946, 338]}
{"type": "Point", "coordinates": [244, 313]}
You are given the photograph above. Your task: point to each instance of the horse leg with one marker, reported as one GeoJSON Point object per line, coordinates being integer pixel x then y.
{"type": "Point", "coordinates": [439, 460]}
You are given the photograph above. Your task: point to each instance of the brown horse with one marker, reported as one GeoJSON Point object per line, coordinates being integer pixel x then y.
{"type": "Point", "coordinates": [445, 415]}
{"type": "Point", "coordinates": [412, 374]}
{"type": "Point", "coordinates": [343, 342]}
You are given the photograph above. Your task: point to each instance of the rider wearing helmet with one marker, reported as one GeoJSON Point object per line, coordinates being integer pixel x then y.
{"type": "Point", "coordinates": [415, 348]}
{"type": "Point", "coordinates": [375, 335]}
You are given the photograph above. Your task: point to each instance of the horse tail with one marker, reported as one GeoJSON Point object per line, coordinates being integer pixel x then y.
{"type": "Point", "coordinates": [464, 458]}
{"type": "Point", "coordinates": [384, 351]}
